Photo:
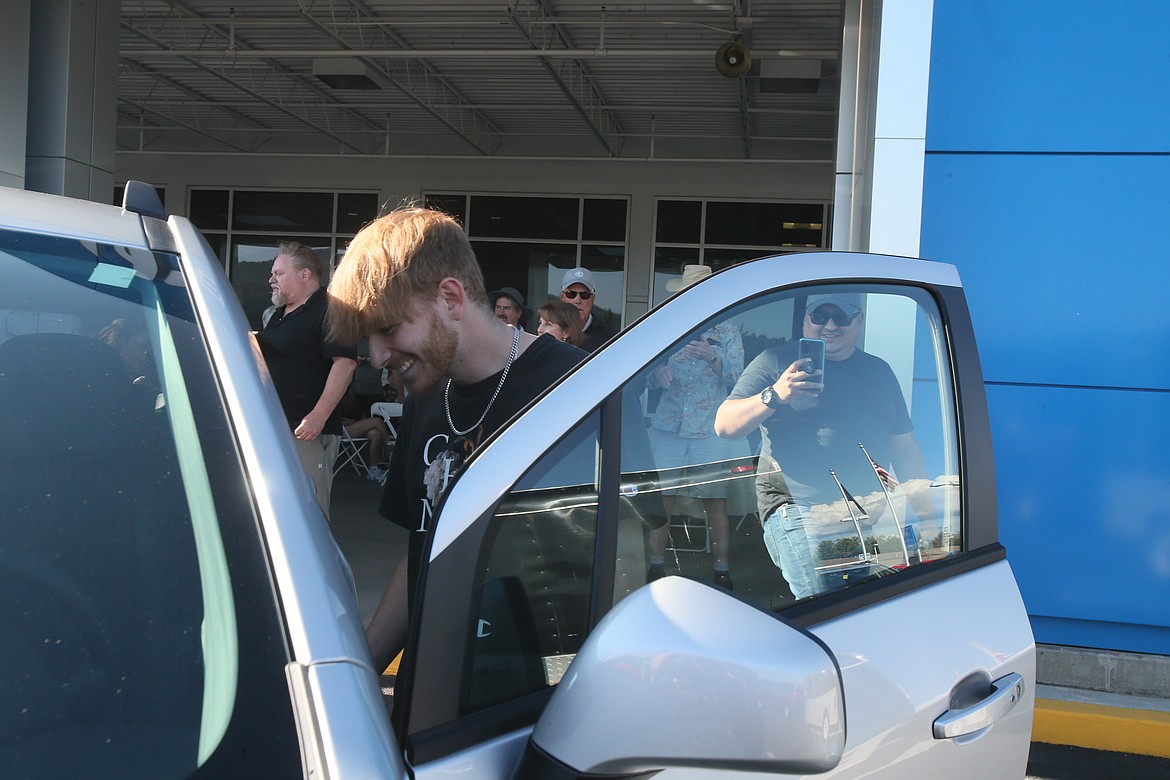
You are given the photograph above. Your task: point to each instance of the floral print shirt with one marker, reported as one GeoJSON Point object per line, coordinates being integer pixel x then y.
{"type": "Point", "coordinates": [697, 388]}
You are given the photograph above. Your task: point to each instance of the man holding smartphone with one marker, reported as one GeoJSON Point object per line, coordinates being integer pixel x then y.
{"type": "Point", "coordinates": [811, 424]}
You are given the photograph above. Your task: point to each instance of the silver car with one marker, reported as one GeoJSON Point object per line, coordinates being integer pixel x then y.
{"type": "Point", "coordinates": [175, 603]}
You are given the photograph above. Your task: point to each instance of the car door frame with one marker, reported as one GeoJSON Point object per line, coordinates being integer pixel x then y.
{"type": "Point", "coordinates": [431, 726]}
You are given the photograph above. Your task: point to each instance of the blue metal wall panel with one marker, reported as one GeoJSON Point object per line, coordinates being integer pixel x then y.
{"type": "Point", "coordinates": [1048, 153]}
{"type": "Point", "coordinates": [1065, 261]}
{"type": "Point", "coordinates": [1084, 501]}
{"type": "Point", "coordinates": [1050, 76]}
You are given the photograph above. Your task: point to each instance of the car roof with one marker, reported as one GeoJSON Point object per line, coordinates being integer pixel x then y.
{"type": "Point", "coordinates": [70, 218]}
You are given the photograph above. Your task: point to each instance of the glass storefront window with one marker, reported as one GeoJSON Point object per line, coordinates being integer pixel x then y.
{"type": "Point", "coordinates": [679, 221]}
{"type": "Point", "coordinates": [355, 209]}
{"type": "Point", "coordinates": [723, 233]}
{"type": "Point", "coordinates": [523, 217]}
{"type": "Point", "coordinates": [209, 209]}
{"type": "Point", "coordinates": [528, 242]}
{"type": "Point", "coordinates": [288, 212]}
{"type": "Point", "coordinates": [604, 220]}
{"type": "Point", "coordinates": [245, 228]}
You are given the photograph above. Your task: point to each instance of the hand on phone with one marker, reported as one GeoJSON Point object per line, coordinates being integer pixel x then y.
{"type": "Point", "coordinates": [812, 356]}
{"type": "Point", "coordinates": [807, 378]}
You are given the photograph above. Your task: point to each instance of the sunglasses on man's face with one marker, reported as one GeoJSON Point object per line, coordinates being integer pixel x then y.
{"type": "Point", "coordinates": [571, 294]}
{"type": "Point", "coordinates": [821, 316]}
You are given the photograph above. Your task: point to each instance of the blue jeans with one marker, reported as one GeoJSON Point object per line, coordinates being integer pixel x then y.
{"type": "Point", "coordinates": [791, 550]}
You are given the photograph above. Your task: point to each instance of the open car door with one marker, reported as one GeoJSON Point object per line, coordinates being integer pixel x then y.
{"type": "Point", "coordinates": [905, 651]}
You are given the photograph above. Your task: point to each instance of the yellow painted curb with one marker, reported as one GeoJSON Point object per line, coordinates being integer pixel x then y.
{"type": "Point", "coordinates": [1117, 729]}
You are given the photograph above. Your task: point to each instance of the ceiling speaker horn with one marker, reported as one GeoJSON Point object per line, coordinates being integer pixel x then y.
{"type": "Point", "coordinates": [733, 59]}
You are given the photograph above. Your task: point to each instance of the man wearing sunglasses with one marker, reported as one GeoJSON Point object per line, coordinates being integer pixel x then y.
{"type": "Point", "coordinates": [578, 290]}
{"type": "Point", "coordinates": [811, 423]}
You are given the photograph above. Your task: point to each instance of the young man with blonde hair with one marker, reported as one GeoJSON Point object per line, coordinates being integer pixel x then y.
{"type": "Point", "coordinates": [411, 283]}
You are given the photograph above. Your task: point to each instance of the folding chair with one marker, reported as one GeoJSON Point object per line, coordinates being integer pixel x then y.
{"type": "Point", "coordinates": [388, 411]}
{"type": "Point", "coordinates": [686, 523]}
{"type": "Point", "coordinates": [350, 454]}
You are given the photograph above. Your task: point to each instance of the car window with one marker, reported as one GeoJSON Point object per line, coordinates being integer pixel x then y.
{"type": "Point", "coordinates": [853, 479]}
{"type": "Point", "coordinates": [833, 489]}
{"type": "Point", "coordinates": [138, 617]}
{"type": "Point", "coordinates": [535, 574]}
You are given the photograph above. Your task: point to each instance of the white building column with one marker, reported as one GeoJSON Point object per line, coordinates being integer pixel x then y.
{"type": "Point", "coordinates": [885, 77]}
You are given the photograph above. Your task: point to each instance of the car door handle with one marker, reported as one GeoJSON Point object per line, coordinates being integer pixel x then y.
{"type": "Point", "coordinates": [1005, 693]}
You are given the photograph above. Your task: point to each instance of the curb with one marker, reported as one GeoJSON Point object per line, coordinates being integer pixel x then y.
{"type": "Point", "coordinates": [1098, 726]}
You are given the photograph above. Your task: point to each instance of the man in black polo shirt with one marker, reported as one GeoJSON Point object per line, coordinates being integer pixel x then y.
{"type": "Point", "coordinates": [310, 372]}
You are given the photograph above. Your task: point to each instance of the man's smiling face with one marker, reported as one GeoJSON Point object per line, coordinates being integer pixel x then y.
{"type": "Point", "coordinates": [825, 322]}
{"type": "Point", "coordinates": [420, 349]}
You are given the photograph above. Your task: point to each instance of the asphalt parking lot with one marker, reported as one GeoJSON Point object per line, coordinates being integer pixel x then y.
{"type": "Point", "coordinates": [1062, 762]}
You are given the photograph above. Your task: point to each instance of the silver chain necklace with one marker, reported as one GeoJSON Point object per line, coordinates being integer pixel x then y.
{"type": "Point", "coordinates": [503, 376]}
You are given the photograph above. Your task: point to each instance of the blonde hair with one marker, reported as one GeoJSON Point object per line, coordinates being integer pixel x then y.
{"type": "Point", "coordinates": [564, 315]}
{"type": "Point", "coordinates": [393, 261]}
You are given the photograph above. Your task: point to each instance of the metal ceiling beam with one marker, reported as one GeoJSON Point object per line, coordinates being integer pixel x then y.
{"type": "Point", "coordinates": [410, 54]}
{"type": "Point", "coordinates": [641, 22]}
{"type": "Point", "coordinates": [573, 79]}
{"type": "Point", "coordinates": [533, 107]}
{"type": "Point", "coordinates": [745, 119]}
{"type": "Point", "coordinates": [519, 134]}
{"type": "Point", "coordinates": [460, 118]}
{"type": "Point", "coordinates": [183, 125]}
{"type": "Point", "coordinates": [274, 67]}
{"type": "Point", "coordinates": [193, 97]}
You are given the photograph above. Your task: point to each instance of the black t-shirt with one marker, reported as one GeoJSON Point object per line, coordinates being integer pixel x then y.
{"type": "Point", "coordinates": [424, 435]}
{"type": "Point", "coordinates": [300, 357]}
{"type": "Point", "coordinates": [861, 403]}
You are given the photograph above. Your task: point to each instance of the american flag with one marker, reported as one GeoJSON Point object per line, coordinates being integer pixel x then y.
{"type": "Point", "coordinates": [850, 501]}
{"type": "Point", "coordinates": [886, 478]}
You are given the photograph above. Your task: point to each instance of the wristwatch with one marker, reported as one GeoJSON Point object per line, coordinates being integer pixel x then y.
{"type": "Point", "coordinates": [714, 357]}
{"type": "Point", "coordinates": [769, 398]}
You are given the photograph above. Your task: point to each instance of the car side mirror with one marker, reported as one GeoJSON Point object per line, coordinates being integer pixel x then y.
{"type": "Point", "coordinates": [682, 674]}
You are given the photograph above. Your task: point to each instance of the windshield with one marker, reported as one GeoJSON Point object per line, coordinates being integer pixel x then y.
{"type": "Point", "coordinates": [119, 607]}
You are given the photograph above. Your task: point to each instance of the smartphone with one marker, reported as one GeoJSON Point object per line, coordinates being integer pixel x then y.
{"type": "Point", "coordinates": [812, 352]}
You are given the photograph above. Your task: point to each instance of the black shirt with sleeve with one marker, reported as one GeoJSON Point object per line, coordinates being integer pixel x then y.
{"type": "Point", "coordinates": [861, 403]}
{"type": "Point", "coordinates": [424, 435]}
{"type": "Point", "coordinates": [596, 334]}
{"type": "Point", "coordinates": [300, 357]}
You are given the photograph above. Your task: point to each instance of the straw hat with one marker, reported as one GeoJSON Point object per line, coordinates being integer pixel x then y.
{"type": "Point", "coordinates": [690, 275]}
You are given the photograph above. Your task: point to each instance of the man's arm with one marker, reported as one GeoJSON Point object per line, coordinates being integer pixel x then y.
{"type": "Point", "coordinates": [386, 633]}
{"type": "Point", "coordinates": [736, 417]}
{"type": "Point", "coordinates": [340, 375]}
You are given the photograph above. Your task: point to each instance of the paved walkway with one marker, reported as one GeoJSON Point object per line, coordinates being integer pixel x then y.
{"type": "Point", "coordinates": [373, 545]}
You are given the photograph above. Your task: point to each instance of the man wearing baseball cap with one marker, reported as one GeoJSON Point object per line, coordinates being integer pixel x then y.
{"type": "Point", "coordinates": [811, 423]}
{"type": "Point", "coordinates": [578, 290]}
